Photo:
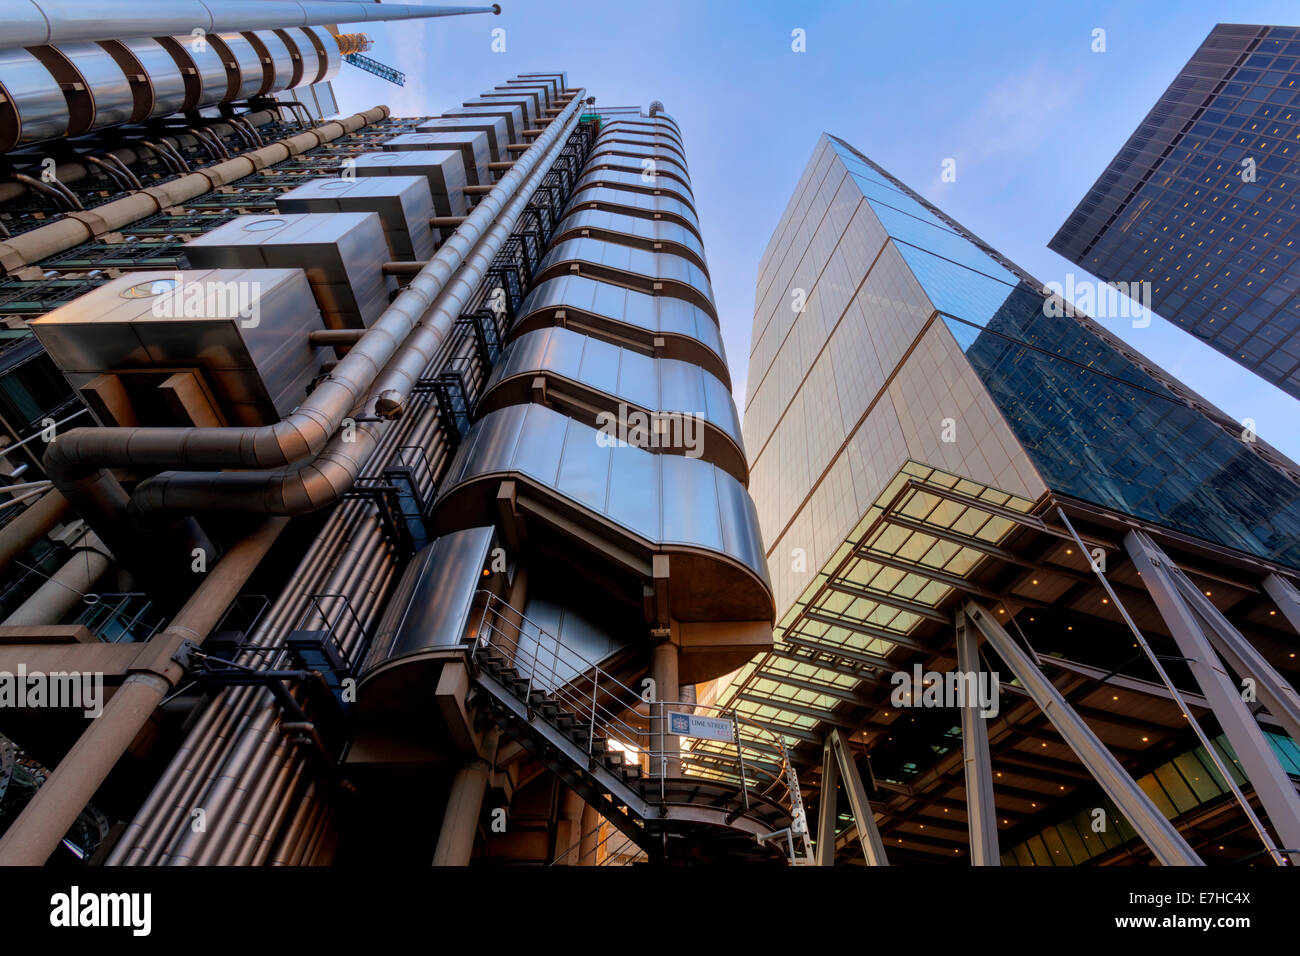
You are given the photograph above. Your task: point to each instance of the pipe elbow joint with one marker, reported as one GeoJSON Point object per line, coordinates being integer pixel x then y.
{"type": "Point", "coordinates": [390, 404]}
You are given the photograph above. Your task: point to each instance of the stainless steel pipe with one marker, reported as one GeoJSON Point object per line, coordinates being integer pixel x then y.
{"type": "Point", "coordinates": [332, 473]}
{"type": "Point", "coordinates": [39, 22]}
{"type": "Point", "coordinates": [308, 430]}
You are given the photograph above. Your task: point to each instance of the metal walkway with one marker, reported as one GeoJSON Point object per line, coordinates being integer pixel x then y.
{"type": "Point", "coordinates": [677, 798]}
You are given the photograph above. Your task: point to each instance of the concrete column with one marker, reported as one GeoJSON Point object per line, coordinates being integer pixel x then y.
{"type": "Point", "coordinates": [663, 670]}
{"type": "Point", "coordinates": [33, 524]}
{"type": "Point", "coordinates": [568, 829]}
{"type": "Point", "coordinates": [460, 819]}
{"type": "Point", "coordinates": [981, 813]}
{"type": "Point", "coordinates": [590, 835]}
{"type": "Point", "coordinates": [511, 620]}
{"type": "Point", "coordinates": [64, 590]}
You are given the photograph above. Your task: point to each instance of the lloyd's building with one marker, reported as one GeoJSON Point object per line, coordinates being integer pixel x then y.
{"type": "Point", "coordinates": [956, 475]}
{"type": "Point", "coordinates": [396, 491]}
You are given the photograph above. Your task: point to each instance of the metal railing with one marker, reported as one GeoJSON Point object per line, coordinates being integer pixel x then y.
{"type": "Point", "coordinates": [615, 718]}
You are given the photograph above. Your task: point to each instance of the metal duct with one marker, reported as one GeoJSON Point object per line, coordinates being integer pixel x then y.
{"type": "Point", "coordinates": [282, 63]}
{"type": "Point", "coordinates": [203, 64]}
{"type": "Point", "coordinates": [31, 105]}
{"type": "Point", "coordinates": [308, 430]}
{"type": "Point", "coordinates": [70, 88]}
{"type": "Point", "coordinates": [313, 484]}
{"type": "Point", "coordinates": [320, 43]}
{"type": "Point", "coordinates": [36, 22]}
{"type": "Point", "coordinates": [246, 74]}
{"type": "Point", "coordinates": [165, 83]}
{"type": "Point", "coordinates": [430, 607]}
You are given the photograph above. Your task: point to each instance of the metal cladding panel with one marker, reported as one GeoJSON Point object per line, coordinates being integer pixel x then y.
{"type": "Point", "coordinates": [283, 66]}
{"type": "Point", "coordinates": [164, 75]}
{"type": "Point", "coordinates": [526, 104]}
{"type": "Point", "coordinates": [544, 92]}
{"type": "Point", "coordinates": [562, 78]}
{"type": "Point", "coordinates": [610, 196]}
{"type": "Point", "coordinates": [634, 227]}
{"type": "Point", "coordinates": [252, 76]}
{"type": "Point", "coordinates": [444, 169]}
{"type": "Point", "coordinates": [105, 81]}
{"type": "Point", "coordinates": [635, 493]}
{"type": "Point", "coordinates": [694, 515]}
{"type": "Point", "coordinates": [314, 63]}
{"type": "Point", "coordinates": [32, 92]}
{"type": "Point", "coordinates": [551, 84]}
{"type": "Point", "coordinates": [212, 72]}
{"type": "Point", "coordinates": [701, 506]}
{"type": "Point", "coordinates": [656, 314]}
{"type": "Point", "coordinates": [513, 116]}
{"type": "Point", "coordinates": [402, 203]}
{"type": "Point", "coordinates": [643, 126]}
{"type": "Point", "coordinates": [528, 101]}
{"type": "Point", "coordinates": [342, 254]}
{"type": "Point", "coordinates": [245, 328]}
{"type": "Point", "coordinates": [628, 155]}
{"type": "Point", "coordinates": [333, 58]}
{"type": "Point", "coordinates": [670, 271]}
{"type": "Point", "coordinates": [473, 147]}
{"type": "Point", "coordinates": [617, 179]}
{"type": "Point", "coordinates": [430, 607]}
{"type": "Point", "coordinates": [615, 131]}
{"type": "Point", "coordinates": [493, 126]}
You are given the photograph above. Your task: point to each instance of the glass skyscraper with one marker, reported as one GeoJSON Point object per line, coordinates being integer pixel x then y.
{"type": "Point", "coordinates": [1201, 202]}
{"type": "Point", "coordinates": [932, 441]}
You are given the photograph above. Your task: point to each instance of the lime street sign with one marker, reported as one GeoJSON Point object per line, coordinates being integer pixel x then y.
{"type": "Point", "coordinates": [708, 728]}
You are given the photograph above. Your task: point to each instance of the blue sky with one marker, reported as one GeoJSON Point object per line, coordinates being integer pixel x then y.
{"type": "Point", "coordinates": [1011, 90]}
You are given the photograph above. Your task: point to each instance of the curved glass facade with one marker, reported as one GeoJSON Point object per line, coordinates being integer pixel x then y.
{"type": "Point", "coordinates": [655, 186]}
{"type": "Point", "coordinates": [616, 154]}
{"type": "Point", "coordinates": [655, 315]}
{"type": "Point", "coordinates": [620, 323]}
{"type": "Point", "coordinates": [637, 204]}
{"type": "Point", "coordinates": [669, 502]}
{"type": "Point", "coordinates": [639, 267]}
{"type": "Point", "coordinates": [634, 231]}
{"type": "Point", "coordinates": [660, 385]}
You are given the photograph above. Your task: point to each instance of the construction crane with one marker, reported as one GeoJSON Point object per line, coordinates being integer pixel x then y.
{"type": "Point", "coordinates": [353, 45]}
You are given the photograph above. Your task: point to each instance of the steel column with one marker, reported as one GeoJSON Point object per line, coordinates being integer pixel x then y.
{"type": "Point", "coordinates": [1274, 691]}
{"type": "Point", "coordinates": [1258, 761]}
{"type": "Point", "coordinates": [873, 847]}
{"type": "Point", "coordinates": [1156, 831]}
{"type": "Point", "coordinates": [826, 809]}
{"type": "Point", "coordinates": [981, 812]}
{"type": "Point", "coordinates": [1286, 597]}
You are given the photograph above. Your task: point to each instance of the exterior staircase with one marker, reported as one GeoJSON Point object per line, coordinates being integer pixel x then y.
{"type": "Point", "coordinates": [677, 799]}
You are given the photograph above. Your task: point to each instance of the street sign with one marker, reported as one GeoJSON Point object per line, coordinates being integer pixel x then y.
{"type": "Point", "coordinates": [708, 728]}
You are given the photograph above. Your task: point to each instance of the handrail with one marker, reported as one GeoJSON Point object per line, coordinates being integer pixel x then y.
{"type": "Point", "coordinates": [614, 716]}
